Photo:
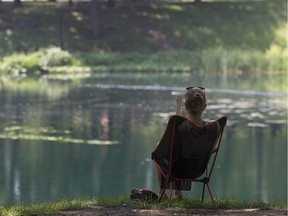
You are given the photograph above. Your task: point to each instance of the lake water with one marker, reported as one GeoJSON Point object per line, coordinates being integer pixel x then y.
{"type": "Point", "coordinates": [92, 136]}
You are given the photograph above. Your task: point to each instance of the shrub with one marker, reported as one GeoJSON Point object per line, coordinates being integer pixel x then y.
{"type": "Point", "coordinates": [31, 63]}
{"type": "Point", "coordinates": [54, 56]}
{"type": "Point", "coordinates": [19, 64]}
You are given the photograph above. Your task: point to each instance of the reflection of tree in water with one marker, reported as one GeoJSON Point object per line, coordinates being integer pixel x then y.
{"type": "Point", "coordinates": [115, 165]}
{"type": "Point", "coordinates": [257, 143]}
{"type": "Point", "coordinates": [104, 122]}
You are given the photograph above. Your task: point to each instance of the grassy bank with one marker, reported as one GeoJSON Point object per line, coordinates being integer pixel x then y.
{"type": "Point", "coordinates": [232, 37]}
{"type": "Point", "coordinates": [64, 205]}
{"type": "Point", "coordinates": [211, 61]}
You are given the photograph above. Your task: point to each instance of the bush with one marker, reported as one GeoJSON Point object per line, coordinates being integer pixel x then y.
{"type": "Point", "coordinates": [54, 57]}
{"type": "Point", "coordinates": [19, 64]}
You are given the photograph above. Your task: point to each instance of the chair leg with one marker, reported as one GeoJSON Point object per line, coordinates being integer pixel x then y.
{"type": "Point", "coordinates": [171, 189]}
{"type": "Point", "coordinates": [203, 191]}
{"type": "Point", "coordinates": [210, 192]}
{"type": "Point", "coordinates": [163, 191]}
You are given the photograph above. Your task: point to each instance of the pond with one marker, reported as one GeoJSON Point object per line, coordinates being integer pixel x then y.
{"type": "Point", "coordinates": [93, 136]}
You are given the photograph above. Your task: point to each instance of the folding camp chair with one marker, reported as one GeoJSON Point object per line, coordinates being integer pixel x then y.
{"type": "Point", "coordinates": [168, 156]}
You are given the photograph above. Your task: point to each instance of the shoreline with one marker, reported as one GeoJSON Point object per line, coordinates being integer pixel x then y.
{"type": "Point", "coordinates": [126, 206]}
{"type": "Point", "coordinates": [124, 210]}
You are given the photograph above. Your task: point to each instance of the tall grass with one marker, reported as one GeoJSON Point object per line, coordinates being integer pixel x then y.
{"type": "Point", "coordinates": [213, 61]}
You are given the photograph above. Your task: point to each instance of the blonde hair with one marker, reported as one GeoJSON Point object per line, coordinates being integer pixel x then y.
{"type": "Point", "coordinates": [195, 101]}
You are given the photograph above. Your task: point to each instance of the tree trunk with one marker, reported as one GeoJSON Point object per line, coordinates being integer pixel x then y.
{"type": "Point", "coordinates": [95, 24]}
{"type": "Point", "coordinates": [17, 3]}
{"type": "Point", "coordinates": [110, 4]}
{"type": "Point", "coordinates": [61, 26]}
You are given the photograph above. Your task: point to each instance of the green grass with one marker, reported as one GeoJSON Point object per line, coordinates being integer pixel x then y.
{"type": "Point", "coordinates": [46, 208]}
{"type": "Point", "coordinates": [65, 204]}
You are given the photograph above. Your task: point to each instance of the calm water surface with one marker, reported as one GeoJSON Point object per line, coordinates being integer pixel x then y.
{"type": "Point", "coordinates": [89, 138]}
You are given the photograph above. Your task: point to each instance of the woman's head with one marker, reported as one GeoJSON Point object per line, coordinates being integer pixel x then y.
{"type": "Point", "coordinates": [195, 100]}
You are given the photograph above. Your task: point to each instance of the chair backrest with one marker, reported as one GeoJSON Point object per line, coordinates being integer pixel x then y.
{"type": "Point", "coordinates": [215, 150]}
{"type": "Point", "coordinates": [188, 149]}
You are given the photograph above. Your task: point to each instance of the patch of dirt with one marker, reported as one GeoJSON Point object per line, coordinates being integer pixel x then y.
{"type": "Point", "coordinates": [125, 210]}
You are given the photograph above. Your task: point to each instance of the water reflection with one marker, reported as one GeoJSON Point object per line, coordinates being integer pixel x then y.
{"type": "Point", "coordinates": [45, 152]}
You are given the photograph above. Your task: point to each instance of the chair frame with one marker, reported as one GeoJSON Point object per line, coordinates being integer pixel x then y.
{"type": "Point", "coordinates": [207, 173]}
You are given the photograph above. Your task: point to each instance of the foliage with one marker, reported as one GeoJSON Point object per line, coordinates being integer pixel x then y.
{"type": "Point", "coordinates": [243, 38]}
{"type": "Point", "coordinates": [20, 63]}
{"type": "Point", "coordinates": [54, 57]}
{"type": "Point", "coordinates": [145, 28]}
{"type": "Point", "coordinates": [212, 61]}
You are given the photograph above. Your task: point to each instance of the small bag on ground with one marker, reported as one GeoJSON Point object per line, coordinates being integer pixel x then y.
{"type": "Point", "coordinates": [143, 195]}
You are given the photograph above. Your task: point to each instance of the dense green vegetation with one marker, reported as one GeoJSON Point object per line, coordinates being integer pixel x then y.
{"type": "Point", "coordinates": [214, 61]}
{"type": "Point", "coordinates": [50, 208]}
{"type": "Point", "coordinates": [146, 28]}
{"type": "Point", "coordinates": [220, 37]}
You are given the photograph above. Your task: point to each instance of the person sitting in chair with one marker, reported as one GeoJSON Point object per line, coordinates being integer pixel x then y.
{"type": "Point", "coordinates": [192, 133]}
